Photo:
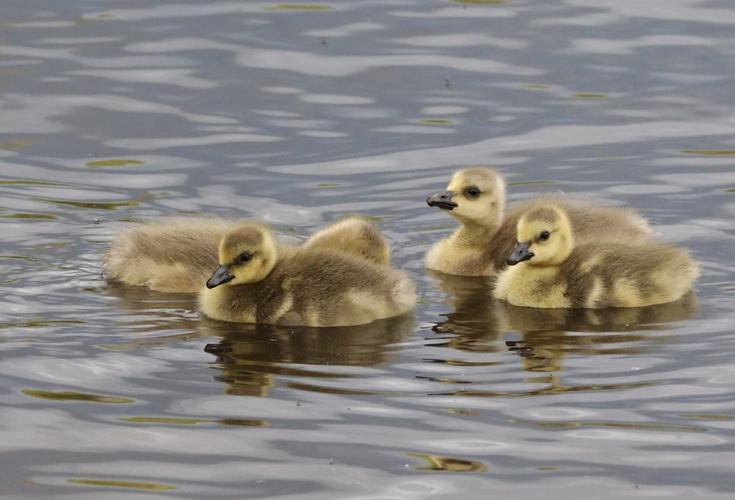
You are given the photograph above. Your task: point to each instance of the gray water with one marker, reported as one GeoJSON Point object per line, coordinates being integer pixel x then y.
{"type": "Point", "coordinates": [297, 114]}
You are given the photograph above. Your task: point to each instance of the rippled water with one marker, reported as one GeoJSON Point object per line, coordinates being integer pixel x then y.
{"type": "Point", "coordinates": [299, 113]}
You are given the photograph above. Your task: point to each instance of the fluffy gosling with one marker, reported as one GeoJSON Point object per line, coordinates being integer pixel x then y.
{"type": "Point", "coordinates": [356, 236]}
{"type": "Point", "coordinates": [551, 271]}
{"type": "Point", "coordinates": [170, 254]}
{"type": "Point", "coordinates": [476, 198]}
{"type": "Point", "coordinates": [258, 282]}
{"type": "Point", "coordinates": [177, 255]}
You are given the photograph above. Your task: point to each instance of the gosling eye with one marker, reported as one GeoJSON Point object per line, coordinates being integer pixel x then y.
{"type": "Point", "coordinates": [472, 191]}
{"type": "Point", "coordinates": [245, 257]}
{"type": "Point", "coordinates": [544, 236]}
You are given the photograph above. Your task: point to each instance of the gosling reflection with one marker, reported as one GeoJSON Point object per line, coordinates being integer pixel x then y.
{"type": "Point", "coordinates": [595, 320]}
{"type": "Point", "coordinates": [482, 324]}
{"type": "Point", "coordinates": [249, 356]}
{"type": "Point", "coordinates": [473, 320]}
{"type": "Point", "coordinates": [546, 337]}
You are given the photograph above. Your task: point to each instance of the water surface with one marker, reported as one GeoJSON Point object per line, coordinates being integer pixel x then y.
{"type": "Point", "coordinates": [298, 113]}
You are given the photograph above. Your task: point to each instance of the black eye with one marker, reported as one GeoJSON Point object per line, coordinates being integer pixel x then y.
{"type": "Point", "coordinates": [472, 192]}
{"type": "Point", "coordinates": [245, 257]}
{"type": "Point", "coordinates": [544, 235]}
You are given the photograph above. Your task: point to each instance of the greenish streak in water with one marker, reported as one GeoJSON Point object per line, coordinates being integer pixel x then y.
{"type": "Point", "coordinates": [710, 152]}
{"type": "Point", "coordinates": [101, 205]}
{"type": "Point", "coordinates": [29, 216]}
{"type": "Point", "coordinates": [448, 464]}
{"type": "Point", "coordinates": [194, 421]}
{"type": "Point", "coordinates": [76, 396]}
{"type": "Point", "coordinates": [245, 422]}
{"type": "Point", "coordinates": [643, 426]}
{"type": "Point", "coordinates": [590, 95]}
{"type": "Point", "coordinates": [31, 182]}
{"type": "Point", "coordinates": [165, 420]}
{"type": "Point", "coordinates": [534, 86]}
{"type": "Point", "coordinates": [436, 121]}
{"type": "Point", "coordinates": [26, 258]}
{"type": "Point", "coordinates": [309, 7]}
{"type": "Point", "coordinates": [707, 416]}
{"type": "Point", "coordinates": [41, 323]}
{"type": "Point", "coordinates": [135, 485]}
{"type": "Point", "coordinates": [113, 163]}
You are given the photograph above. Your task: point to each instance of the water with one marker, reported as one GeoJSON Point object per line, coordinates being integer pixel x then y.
{"type": "Point", "coordinates": [297, 114]}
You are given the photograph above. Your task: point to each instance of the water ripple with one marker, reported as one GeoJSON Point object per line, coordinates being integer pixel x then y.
{"type": "Point", "coordinates": [299, 113]}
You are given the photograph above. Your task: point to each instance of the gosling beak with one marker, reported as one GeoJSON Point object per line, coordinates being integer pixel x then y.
{"type": "Point", "coordinates": [220, 276]}
{"type": "Point", "coordinates": [520, 253]}
{"type": "Point", "coordinates": [442, 200]}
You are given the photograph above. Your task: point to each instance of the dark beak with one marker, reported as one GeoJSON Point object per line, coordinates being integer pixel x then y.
{"type": "Point", "coordinates": [442, 200]}
{"type": "Point", "coordinates": [520, 253]}
{"type": "Point", "coordinates": [220, 276]}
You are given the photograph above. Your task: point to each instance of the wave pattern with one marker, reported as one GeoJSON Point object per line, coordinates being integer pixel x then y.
{"type": "Point", "coordinates": [297, 113]}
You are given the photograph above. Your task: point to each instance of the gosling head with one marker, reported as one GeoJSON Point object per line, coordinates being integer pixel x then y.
{"type": "Point", "coordinates": [247, 254]}
{"type": "Point", "coordinates": [474, 195]}
{"type": "Point", "coordinates": [544, 237]}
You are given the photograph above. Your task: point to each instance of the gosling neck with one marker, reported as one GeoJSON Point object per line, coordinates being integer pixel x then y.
{"type": "Point", "coordinates": [471, 234]}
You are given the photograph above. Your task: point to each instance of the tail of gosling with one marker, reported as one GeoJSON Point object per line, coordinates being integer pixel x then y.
{"type": "Point", "coordinates": [115, 261]}
{"type": "Point", "coordinates": [690, 272]}
{"type": "Point", "coordinates": [679, 275]}
{"type": "Point", "coordinates": [403, 294]}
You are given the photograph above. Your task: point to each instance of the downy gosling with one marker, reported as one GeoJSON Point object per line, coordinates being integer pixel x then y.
{"type": "Point", "coordinates": [177, 254]}
{"type": "Point", "coordinates": [260, 282]}
{"type": "Point", "coordinates": [171, 254]}
{"type": "Point", "coordinates": [356, 236]}
{"type": "Point", "coordinates": [476, 198]}
{"type": "Point", "coordinates": [550, 271]}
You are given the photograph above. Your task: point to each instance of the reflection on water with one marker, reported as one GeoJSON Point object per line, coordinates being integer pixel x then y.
{"type": "Point", "coordinates": [298, 113]}
{"type": "Point", "coordinates": [250, 355]}
{"type": "Point", "coordinates": [479, 323]}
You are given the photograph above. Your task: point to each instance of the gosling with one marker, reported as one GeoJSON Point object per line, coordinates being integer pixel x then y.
{"type": "Point", "coordinates": [259, 282]}
{"type": "Point", "coordinates": [356, 236]}
{"type": "Point", "coordinates": [476, 198]}
{"type": "Point", "coordinates": [177, 255]}
{"type": "Point", "coordinates": [172, 254]}
{"type": "Point", "coordinates": [550, 271]}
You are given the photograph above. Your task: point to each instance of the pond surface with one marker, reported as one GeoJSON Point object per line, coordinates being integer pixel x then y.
{"type": "Point", "coordinates": [300, 113]}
